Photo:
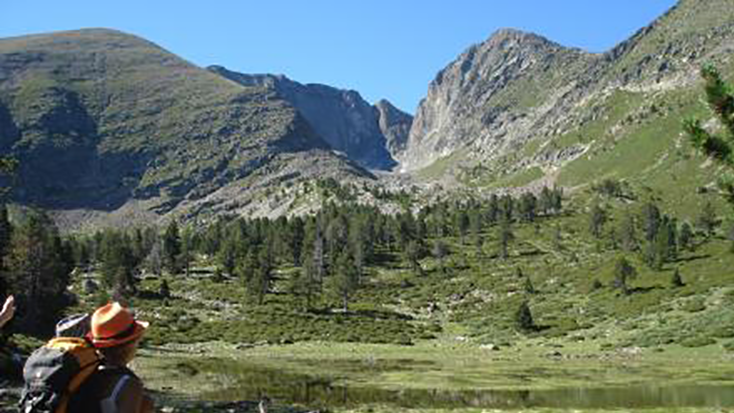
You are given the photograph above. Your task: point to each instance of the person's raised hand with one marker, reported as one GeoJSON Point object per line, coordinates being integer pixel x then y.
{"type": "Point", "coordinates": [8, 310]}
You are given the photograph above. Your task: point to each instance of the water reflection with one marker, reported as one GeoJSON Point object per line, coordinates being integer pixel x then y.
{"type": "Point", "coordinates": [250, 383]}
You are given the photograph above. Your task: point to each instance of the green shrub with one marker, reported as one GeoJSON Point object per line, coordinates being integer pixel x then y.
{"type": "Point", "coordinates": [694, 306]}
{"type": "Point", "coordinates": [697, 341]}
{"type": "Point", "coordinates": [729, 345]}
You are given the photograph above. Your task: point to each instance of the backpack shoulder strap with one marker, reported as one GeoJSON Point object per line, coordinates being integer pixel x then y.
{"type": "Point", "coordinates": [102, 391]}
{"type": "Point", "coordinates": [87, 358]}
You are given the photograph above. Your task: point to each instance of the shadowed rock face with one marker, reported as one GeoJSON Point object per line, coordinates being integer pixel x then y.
{"type": "Point", "coordinates": [99, 118]}
{"type": "Point", "coordinates": [394, 125]}
{"type": "Point", "coordinates": [369, 135]}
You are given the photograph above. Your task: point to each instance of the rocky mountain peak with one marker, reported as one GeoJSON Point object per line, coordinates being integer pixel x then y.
{"type": "Point", "coordinates": [507, 38]}
{"type": "Point", "coordinates": [394, 125]}
{"type": "Point", "coordinates": [341, 117]}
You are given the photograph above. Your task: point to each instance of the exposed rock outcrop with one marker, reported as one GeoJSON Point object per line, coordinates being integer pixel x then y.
{"type": "Point", "coordinates": [346, 121]}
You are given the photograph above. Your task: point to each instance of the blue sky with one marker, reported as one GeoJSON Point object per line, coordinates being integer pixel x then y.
{"type": "Point", "coordinates": [382, 48]}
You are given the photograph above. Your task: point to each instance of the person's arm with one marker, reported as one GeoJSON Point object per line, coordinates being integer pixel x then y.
{"type": "Point", "coordinates": [7, 311]}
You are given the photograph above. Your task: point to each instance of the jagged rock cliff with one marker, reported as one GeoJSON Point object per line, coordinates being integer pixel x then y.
{"type": "Point", "coordinates": [345, 120]}
{"type": "Point", "coordinates": [519, 100]}
{"type": "Point", "coordinates": [394, 125]}
{"type": "Point", "coordinates": [491, 96]}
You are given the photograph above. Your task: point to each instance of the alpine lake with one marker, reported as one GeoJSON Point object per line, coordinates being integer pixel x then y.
{"type": "Point", "coordinates": [541, 376]}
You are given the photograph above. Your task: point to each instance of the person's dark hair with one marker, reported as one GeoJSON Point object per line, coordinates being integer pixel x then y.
{"type": "Point", "coordinates": [119, 355]}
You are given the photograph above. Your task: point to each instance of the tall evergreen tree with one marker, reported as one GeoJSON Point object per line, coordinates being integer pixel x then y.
{"type": "Point", "coordinates": [686, 236]}
{"type": "Point", "coordinates": [623, 272]}
{"type": "Point", "coordinates": [545, 202]}
{"type": "Point", "coordinates": [303, 286]}
{"type": "Point", "coordinates": [507, 208]}
{"type": "Point", "coordinates": [493, 210]}
{"type": "Point", "coordinates": [440, 251]}
{"type": "Point", "coordinates": [475, 224]}
{"type": "Point", "coordinates": [413, 254]}
{"type": "Point", "coordinates": [187, 249]}
{"type": "Point", "coordinates": [6, 231]}
{"type": "Point", "coordinates": [597, 219]}
{"type": "Point", "coordinates": [297, 235]}
{"type": "Point", "coordinates": [651, 220]}
{"type": "Point", "coordinates": [171, 247]}
{"type": "Point", "coordinates": [720, 99]}
{"type": "Point", "coordinates": [37, 272]}
{"type": "Point", "coordinates": [462, 223]}
{"type": "Point", "coordinates": [707, 219]}
{"type": "Point", "coordinates": [118, 263]}
{"type": "Point", "coordinates": [343, 282]}
{"type": "Point", "coordinates": [528, 207]}
{"type": "Point", "coordinates": [628, 233]}
{"type": "Point", "coordinates": [524, 318]}
{"type": "Point", "coordinates": [505, 237]}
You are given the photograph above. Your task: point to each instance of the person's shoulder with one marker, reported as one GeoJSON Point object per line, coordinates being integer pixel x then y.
{"type": "Point", "coordinates": [125, 391]}
{"type": "Point", "coordinates": [120, 374]}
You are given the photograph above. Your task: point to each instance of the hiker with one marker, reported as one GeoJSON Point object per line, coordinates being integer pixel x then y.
{"type": "Point", "coordinates": [7, 311]}
{"type": "Point", "coordinates": [113, 387]}
{"type": "Point", "coordinates": [11, 363]}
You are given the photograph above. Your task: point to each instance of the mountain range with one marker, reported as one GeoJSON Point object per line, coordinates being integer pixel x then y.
{"type": "Point", "coordinates": [110, 128]}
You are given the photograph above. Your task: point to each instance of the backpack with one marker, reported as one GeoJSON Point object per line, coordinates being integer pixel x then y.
{"type": "Point", "coordinates": [55, 371]}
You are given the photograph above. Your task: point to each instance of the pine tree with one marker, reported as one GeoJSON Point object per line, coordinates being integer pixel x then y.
{"type": "Point", "coordinates": [413, 254]}
{"type": "Point", "coordinates": [475, 223]}
{"type": "Point", "coordinates": [187, 249]}
{"type": "Point", "coordinates": [118, 263]}
{"type": "Point", "coordinates": [507, 208]}
{"type": "Point", "coordinates": [623, 272]}
{"type": "Point", "coordinates": [343, 283]}
{"type": "Point", "coordinates": [171, 247]}
{"type": "Point", "coordinates": [651, 220]}
{"type": "Point", "coordinates": [597, 219]}
{"type": "Point", "coordinates": [6, 231]}
{"type": "Point", "coordinates": [297, 235]}
{"type": "Point", "coordinates": [154, 260]}
{"type": "Point", "coordinates": [493, 210]}
{"type": "Point", "coordinates": [686, 236]}
{"type": "Point", "coordinates": [545, 203]}
{"type": "Point", "coordinates": [462, 223]}
{"type": "Point", "coordinates": [707, 220]}
{"type": "Point", "coordinates": [528, 207]}
{"type": "Point", "coordinates": [440, 251]}
{"type": "Point", "coordinates": [505, 237]}
{"type": "Point", "coordinates": [164, 290]}
{"type": "Point", "coordinates": [557, 198]}
{"type": "Point", "coordinates": [720, 99]}
{"type": "Point", "coordinates": [676, 281]}
{"type": "Point", "coordinates": [304, 287]}
{"type": "Point", "coordinates": [37, 271]}
{"type": "Point", "coordinates": [524, 318]}
{"type": "Point", "coordinates": [8, 168]}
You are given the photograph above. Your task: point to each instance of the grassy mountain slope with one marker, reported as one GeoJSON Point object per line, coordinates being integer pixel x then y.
{"type": "Point", "coordinates": [102, 121]}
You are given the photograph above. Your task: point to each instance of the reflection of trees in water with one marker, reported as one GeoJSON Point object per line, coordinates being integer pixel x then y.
{"type": "Point", "coordinates": [253, 383]}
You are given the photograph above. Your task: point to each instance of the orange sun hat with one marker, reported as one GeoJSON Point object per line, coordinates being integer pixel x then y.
{"type": "Point", "coordinates": [113, 325]}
